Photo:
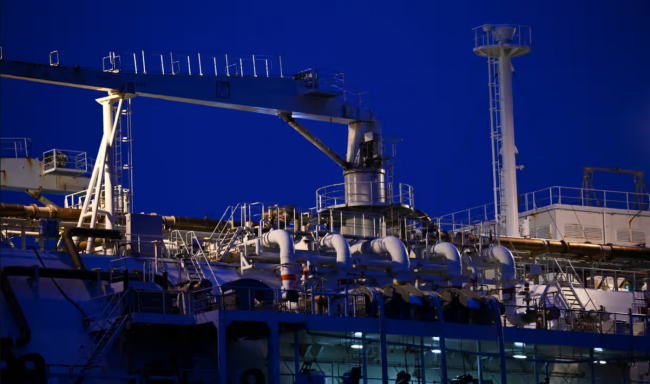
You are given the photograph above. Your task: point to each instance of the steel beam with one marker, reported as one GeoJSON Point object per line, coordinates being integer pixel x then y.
{"type": "Point", "coordinates": [267, 95]}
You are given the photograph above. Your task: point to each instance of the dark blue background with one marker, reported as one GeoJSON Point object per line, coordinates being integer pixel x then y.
{"type": "Point", "coordinates": [585, 87]}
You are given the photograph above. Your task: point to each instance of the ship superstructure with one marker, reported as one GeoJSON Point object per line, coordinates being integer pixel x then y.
{"type": "Point", "coordinates": [549, 286]}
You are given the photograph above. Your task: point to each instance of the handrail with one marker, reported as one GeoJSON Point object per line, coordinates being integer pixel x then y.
{"type": "Point", "coordinates": [17, 145]}
{"type": "Point", "coordinates": [339, 194]}
{"type": "Point", "coordinates": [582, 285]}
{"type": "Point", "coordinates": [192, 237]}
{"type": "Point", "coordinates": [532, 201]}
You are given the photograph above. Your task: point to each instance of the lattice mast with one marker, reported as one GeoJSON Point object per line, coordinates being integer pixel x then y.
{"type": "Point", "coordinates": [500, 43]}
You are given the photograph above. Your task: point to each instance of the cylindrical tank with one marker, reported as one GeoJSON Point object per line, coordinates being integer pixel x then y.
{"type": "Point", "coordinates": [365, 187]}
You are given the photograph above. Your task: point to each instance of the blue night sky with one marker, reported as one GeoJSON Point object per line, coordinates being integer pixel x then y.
{"type": "Point", "coordinates": [582, 96]}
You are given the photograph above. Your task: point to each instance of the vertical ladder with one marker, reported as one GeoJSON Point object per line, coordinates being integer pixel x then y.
{"type": "Point", "coordinates": [123, 171]}
{"type": "Point", "coordinates": [496, 136]}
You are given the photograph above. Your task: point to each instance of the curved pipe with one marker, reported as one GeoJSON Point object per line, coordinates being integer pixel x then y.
{"type": "Point", "coordinates": [506, 262]}
{"type": "Point", "coordinates": [283, 240]}
{"type": "Point", "coordinates": [452, 254]}
{"type": "Point", "coordinates": [503, 256]}
{"type": "Point", "coordinates": [338, 243]}
{"type": "Point", "coordinates": [389, 245]}
{"type": "Point", "coordinates": [69, 233]}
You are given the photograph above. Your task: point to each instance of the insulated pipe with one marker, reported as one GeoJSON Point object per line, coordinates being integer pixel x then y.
{"type": "Point", "coordinates": [35, 212]}
{"type": "Point", "coordinates": [338, 243]}
{"type": "Point", "coordinates": [452, 254]}
{"type": "Point", "coordinates": [582, 249]}
{"type": "Point", "coordinates": [389, 245]}
{"type": "Point", "coordinates": [70, 214]}
{"type": "Point", "coordinates": [506, 263]}
{"type": "Point", "coordinates": [69, 233]}
{"type": "Point", "coordinates": [283, 240]}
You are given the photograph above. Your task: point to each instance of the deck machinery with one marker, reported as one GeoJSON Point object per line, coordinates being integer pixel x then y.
{"type": "Point", "coordinates": [363, 287]}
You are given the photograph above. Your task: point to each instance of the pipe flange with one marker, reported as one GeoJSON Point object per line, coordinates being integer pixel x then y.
{"type": "Point", "coordinates": [34, 212]}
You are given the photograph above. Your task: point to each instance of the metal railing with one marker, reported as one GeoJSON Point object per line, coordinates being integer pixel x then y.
{"type": "Point", "coordinates": [15, 147]}
{"type": "Point", "coordinates": [574, 320]}
{"type": "Point", "coordinates": [194, 64]}
{"type": "Point", "coordinates": [363, 193]}
{"type": "Point", "coordinates": [334, 82]}
{"type": "Point", "coordinates": [176, 302]}
{"type": "Point", "coordinates": [550, 196]}
{"type": "Point", "coordinates": [65, 162]}
{"type": "Point", "coordinates": [21, 234]}
{"type": "Point", "coordinates": [172, 302]}
{"type": "Point", "coordinates": [484, 35]}
{"type": "Point", "coordinates": [545, 271]}
{"type": "Point", "coordinates": [353, 223]}
{"type": "Point", "coordinates": [584, 197]}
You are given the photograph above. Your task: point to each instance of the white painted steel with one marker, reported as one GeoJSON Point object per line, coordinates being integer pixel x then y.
{"type": "Point", "coordinates": [282, 239]}
{"type": "Point", "coordinates": [338, 243]}
{"type": "Point", "coordinates": [452, 255]}
{"type": "Point", "coordinates": [509, 166]}
{"type": "Point", "coordinates": [505, 42]}
{"type": "Point", "coordinates": [507, 280]}
{"type": "Point", "coordinates": [389, 245]}
{"type": "Point", "coordinates": [103, 168]}
{"type": "Point", "coordinates": [503, 256]}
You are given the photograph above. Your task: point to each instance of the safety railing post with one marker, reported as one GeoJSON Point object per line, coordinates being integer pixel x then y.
{"type": "Point", "coordinates": [631, 319]}
{"type": "Point", "coordinates": [281, 75]}
{"type": "Point", "coordinates": [254, 67]}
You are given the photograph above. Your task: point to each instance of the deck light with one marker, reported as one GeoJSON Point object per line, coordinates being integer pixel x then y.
{"type": "Point", "coordinates": [519, 356]}
{"type": "Point", "coordinates": [356, 346]}
{"type": "Point", "coordinates": [598, 349]}
{"type": "Point", "coordinates": [358, 334]}
{"type": "Point", "coordinates": [436, 338]}
{"type": "Point", "coordinates": [519, 344]}
{"type": "Point", "coordinates": [602, 362]}
{"type": "Point", "coordinates": [436, 351]}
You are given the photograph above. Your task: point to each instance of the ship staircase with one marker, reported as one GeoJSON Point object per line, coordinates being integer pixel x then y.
{"type": "Point", "coordinates": [225, 233]}
{"type": "Point", "coordinates": [105, 327]}
{"type": "Point", "coordinates": [190, 255]}
{"type": "Point", "coordinates": [566, 292]}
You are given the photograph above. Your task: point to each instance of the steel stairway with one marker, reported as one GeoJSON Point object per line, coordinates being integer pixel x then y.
{"type": "Point", "coordinates": [106, 328]}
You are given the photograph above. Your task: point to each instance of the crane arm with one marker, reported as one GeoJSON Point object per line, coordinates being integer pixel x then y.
{"type": "Point", "coordinates": [267, 95]}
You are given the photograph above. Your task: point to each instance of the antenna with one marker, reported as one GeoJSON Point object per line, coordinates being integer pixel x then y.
{"type": "Point", "coordinates": [500, 43]}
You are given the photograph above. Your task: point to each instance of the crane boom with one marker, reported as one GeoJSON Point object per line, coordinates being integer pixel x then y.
{"type": "Point", "coordinates": [267, 95]}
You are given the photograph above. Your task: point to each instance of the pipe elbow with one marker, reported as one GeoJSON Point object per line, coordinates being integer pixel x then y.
{"type": "Point", "coordinates": [506, 261]}
{"type": "Point", "coordinates": [338, 243]}
{"type": "Point", "coordinates": [389, 245]}
{"type": "Point", "coordinates": [281, 239]}
{"type": "Point", "coordinates": [452, 254]}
